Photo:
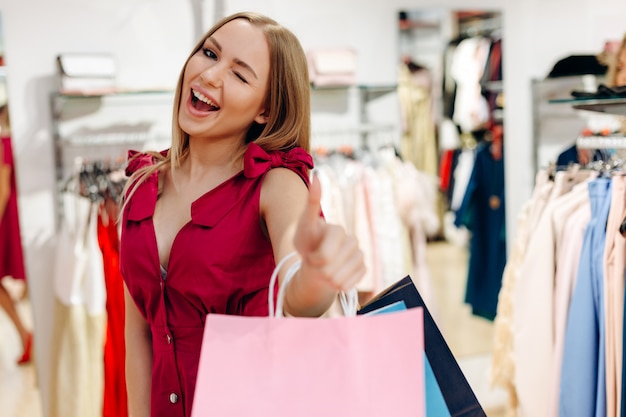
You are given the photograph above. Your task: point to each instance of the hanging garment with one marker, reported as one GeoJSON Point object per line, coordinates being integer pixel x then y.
{"type": "Point", "coordinates": [388, 229]}
{"type": "Point", "coordinates": [533, 324]}
{"type": "Point", "coordinates": [415, 197]}
{"type": "Point", "coordinates": [331, 200]}
{"type": "Point", "coordinates": [363, 231]}
{"type": "Point", "coordinates": [482, 213]}
{"type": "Point", "coordinates": [503, 369]}
{"type": "Point", "coordinates": [565, 281]}
{"type": "Point", "coordinates": [11, 250]}
{"type": "Point", "coordinates": [115, 402]}
{"type": "Point", "coordinates": [623, 369]}
{"type": "Point", "coordinates": [614, 266]}
{"type": "Point", "coordinates": [419, 144]}
{"type": "Point", "coordinates": [371, 217]}
{"type": "Point", "coordinates": [462, 173]}
{"type": "Point", "coordinates": [449, 85]}
{"type": "Point", "coordinates": [583, 380]}
{"type": "Point", "coordinates": [471, 110]}
{"type": "Point", "coordinates": [77, 345]}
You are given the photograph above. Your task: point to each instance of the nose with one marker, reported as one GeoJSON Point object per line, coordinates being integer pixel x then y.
{"type": "Point", "coordinates": [213, 75]}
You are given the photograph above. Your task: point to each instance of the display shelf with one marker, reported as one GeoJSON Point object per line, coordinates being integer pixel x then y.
{"type": "Point", "coordinates": [556, 124]}
{"type": "Point", "coordinates": [616, 105]}
{"type": "Point", "coordinates": [107, 92]}
{"type": "Point", "coordinates": [368, 92]}
{"type": "Point", "coordinates": [343, 114]}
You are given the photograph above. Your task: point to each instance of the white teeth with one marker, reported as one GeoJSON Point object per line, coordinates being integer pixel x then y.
{"type": "Point", "coordinates": [203, 98]}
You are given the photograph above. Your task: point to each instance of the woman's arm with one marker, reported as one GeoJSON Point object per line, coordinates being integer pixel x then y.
{"type": "Point", "coordinates": [138, 359]}
{"type": "Point", "coordinates": [5, 183]}
{"type": "Point", "coordinates": [5, 186]}
{"type": "Point", "coordinates": [331, 259]}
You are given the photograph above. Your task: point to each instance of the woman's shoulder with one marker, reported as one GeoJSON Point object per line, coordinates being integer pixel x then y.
{"type": "Point", "coordinates": [258, 161]}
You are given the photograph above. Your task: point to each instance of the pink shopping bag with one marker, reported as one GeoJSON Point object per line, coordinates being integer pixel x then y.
{"type": "Point", "coordinates": [362, 366]}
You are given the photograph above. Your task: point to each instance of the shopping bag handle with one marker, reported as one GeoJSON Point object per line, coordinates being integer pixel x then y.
{"type": "Point", "coordinates": [348, 299]}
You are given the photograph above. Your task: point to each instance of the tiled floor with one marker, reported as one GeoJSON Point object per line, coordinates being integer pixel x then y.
{"type": "Point", "coordinates": [469, 338]}
{"type": "Point", "coordinates": [19, 394]}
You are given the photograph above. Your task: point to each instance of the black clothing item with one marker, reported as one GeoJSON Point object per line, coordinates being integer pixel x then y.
{"type": "Point", "coordinates": [577, 65]}
{"type": "Point", "coordinates": [603, 92]}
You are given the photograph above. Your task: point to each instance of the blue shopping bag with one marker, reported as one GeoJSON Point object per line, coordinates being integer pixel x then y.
{"type": "Point", "coordinates": [435, 404]}
{"type": "Point", "coordinates": [451, 382]}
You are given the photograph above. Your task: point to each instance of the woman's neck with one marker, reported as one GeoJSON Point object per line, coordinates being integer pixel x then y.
{"type": "Point", "coordinates": [212, 158]}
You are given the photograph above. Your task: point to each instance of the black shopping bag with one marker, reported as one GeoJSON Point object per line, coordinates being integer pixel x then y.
{"type": "Point", "coordinates": [455, 389]}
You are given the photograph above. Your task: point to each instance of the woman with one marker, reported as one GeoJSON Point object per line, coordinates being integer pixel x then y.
{"type": "Point", "coordinates": [11, 257]}
{"type": "Point", "coordinates": [616, 75]}
{"type": "Point", "coordinates": [205, 222]}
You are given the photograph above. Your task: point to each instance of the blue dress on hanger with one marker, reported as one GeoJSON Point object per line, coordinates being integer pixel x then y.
{"type": "Point", "coordinates": [583, 382]}
{"type": "Point", "coordinates": [482, 212]}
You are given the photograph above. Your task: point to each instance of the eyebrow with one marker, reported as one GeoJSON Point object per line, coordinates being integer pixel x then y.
{"type": "Point", "coordinates": [237, 61]}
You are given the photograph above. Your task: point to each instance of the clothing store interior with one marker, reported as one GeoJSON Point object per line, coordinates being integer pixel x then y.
{"type": "Point", "coordinates": [453, 141]}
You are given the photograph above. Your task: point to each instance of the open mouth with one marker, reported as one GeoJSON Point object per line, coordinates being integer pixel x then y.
{"type": "Point", "coordinates": [201, 102]}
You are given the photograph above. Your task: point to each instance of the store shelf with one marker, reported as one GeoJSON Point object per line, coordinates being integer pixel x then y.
{"type": "Point", "coordinates": [368, 92]}
{"type": "Point", "coordinates": [615, 106]}
{"type": "Point", "coordinates": [556, 124]}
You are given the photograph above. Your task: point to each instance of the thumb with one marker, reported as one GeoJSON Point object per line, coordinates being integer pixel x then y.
{"type": "Point", "coordinates": [313, 207]}
{"type": "Point", "coordinates": [310, 227]}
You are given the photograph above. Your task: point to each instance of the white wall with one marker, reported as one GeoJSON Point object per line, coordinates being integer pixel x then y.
{"type": "Point", "coordinates": [151, 38]}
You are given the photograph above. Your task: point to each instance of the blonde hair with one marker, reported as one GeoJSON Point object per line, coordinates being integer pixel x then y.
{"type": "Point", "coordinates": [611, 75]}
{"type": "Point", "coordinates": [287, 100]}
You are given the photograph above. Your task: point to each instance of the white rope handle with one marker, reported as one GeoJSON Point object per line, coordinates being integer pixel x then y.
{"type": "Point", "coordinates": [280, 299]}
{"type": "Point", "coordinates": [270, 296]}
{"type": "Point", "coordinates": [349, 300]}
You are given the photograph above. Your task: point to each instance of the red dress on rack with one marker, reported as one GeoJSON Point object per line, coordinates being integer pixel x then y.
{"type": "Point", "coordinates": [115, 402]}
{"type": "Point", "coordinates": [220, 262]}
{"type": "Point", "coordinates": [11, 252]}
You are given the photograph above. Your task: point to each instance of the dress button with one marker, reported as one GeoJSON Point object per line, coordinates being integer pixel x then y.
{"type": "Point", "coordinates": [169, 339]}
{"type": "Point", "coordinates": [173, 398]}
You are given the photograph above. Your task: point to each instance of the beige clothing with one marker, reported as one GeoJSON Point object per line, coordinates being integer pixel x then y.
{"type": "Point", "coordinates": [533, 332]}
{"type": "Point", "coordinates": [416, 203]}
{"type": "Point", "coordinates": [363, 231]}
{"type": "Point", "coordinates": [77, 346]}
{"type": "Point", "coordinates": [418, 141]}
{"type": "Point", "coordinates": [503, 368]}
{"type": "Point", "coordinates": [76, 354]}
{"type": "Point", "coordinates": [568, 252]}
{"type": "Point", "coordinates": [614, 264]}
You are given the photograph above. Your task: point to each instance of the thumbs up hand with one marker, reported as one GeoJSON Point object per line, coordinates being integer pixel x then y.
{"type": "Point", "coordinates": [327, 252]}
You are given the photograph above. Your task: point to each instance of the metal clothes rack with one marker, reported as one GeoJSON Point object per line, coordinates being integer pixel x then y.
{"type": "Point", "coordinates": [346, 118]}
{"type": "Point", "coordinates": [601, 142]}
{"type": "Point", "coordinates": [101, 128]}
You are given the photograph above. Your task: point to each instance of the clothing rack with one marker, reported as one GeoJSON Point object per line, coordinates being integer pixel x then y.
{"type": "Point", "coordinates": [98, 180]}
{"type": "Point", "coordinates": [369, 136]}
{"type": "Point", "coordinates": [481, 24]}
{"type": "Point", "coordinates": [93, 133]}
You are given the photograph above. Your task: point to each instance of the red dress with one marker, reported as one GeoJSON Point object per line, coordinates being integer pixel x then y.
{"type": "Point", "coordinates": [115, 401]}
{"type": "Point", "coordinates": [220, 262]}
{"type": "Point", "coordinates": [11, 251]}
